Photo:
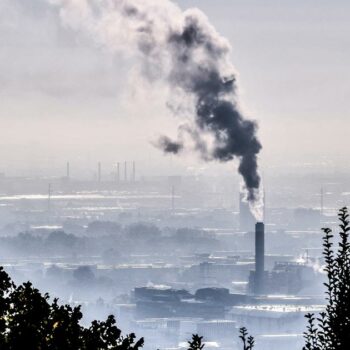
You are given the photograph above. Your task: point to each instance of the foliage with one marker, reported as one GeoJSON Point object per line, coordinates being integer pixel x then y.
{"type": "Point", "coordinates": [110, 240]}
{"type": "Point", "coordinates": [196, 343]}
{"type": "Point", "coordinates": [28, 320]}
{"type": "Point", "coordinates": [84, 275]}
{"type": "Point", "coordinates": [247, 340]}
{"type": "Point", "coordinates": [331, 330]}
{"type": "Point", "coordinates": [142, 231]}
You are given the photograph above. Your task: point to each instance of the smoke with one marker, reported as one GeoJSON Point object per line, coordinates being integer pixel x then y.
{"type": "Point", "coordinates": [183, 50]}
{"type": "Point", "coordinates": [169, 146]}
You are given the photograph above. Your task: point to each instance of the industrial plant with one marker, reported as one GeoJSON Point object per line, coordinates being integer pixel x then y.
{"type": "Point", "coordinates": [174, 169]}
{"type": "Point", "coordinates": [169, 256]}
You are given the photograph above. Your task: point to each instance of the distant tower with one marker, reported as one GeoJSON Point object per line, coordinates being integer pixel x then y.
{"type": "Point", "coordinates": [321, 205]}
{"type": "Point", "coordinates": [68, 170]}
{"type": "Point", "coordinates": [174, 187]}
{"type": "Point", "coordinates": [133, 171]}
{"type": "Point", "coordinates": [125, 171]}
{"type": "Point", "coordinates": [118, 172]}
{"type": "Point", "coordinates": [99, 172]}
{"type": "Point", "coordinates": [172, 197]}
{"type": "Point", "coordinates": [259, 258]}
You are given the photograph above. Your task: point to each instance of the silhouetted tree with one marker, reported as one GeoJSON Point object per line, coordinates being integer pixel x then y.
{"type": "Point", "coordinates": [247, 340]}
{"type": "Point", "coordinates": [196, 343]}
{"type": "Point", "coordinates": [61, 239]}
{"type": "Point", "coordinates": [28, 320]}
{"type": "Point", "coordinates": [331, 329]}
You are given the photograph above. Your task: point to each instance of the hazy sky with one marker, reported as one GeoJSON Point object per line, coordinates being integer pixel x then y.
{"type": "Point", "coordinates": [62, 97]}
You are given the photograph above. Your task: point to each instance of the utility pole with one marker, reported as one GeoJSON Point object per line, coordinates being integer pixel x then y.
{"type": "Point", "coordinates": [321, 204]}
{"type": "Point", "coordinates": [172, 197]}
{"type": "Point", "coordinates": [118, 172]}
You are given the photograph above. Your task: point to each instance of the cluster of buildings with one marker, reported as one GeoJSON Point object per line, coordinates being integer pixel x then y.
{"type": "Point", "coordinates": [270, 306]}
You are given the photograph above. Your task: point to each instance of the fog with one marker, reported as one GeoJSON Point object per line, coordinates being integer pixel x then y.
{"type": "Point", "coordinates": [172, 256]}
{"type": "Point", "coordinates": [92, 212]}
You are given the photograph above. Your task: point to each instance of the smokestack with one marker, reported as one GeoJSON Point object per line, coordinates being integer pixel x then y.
{"type": "Point", "coordinates": [125, 171]}
{"type": "Point", "coordinates": [99, 172]}
{"type": "Point", "coordinates": [259, 258]}
{"type": "Point", "coordinates": [68, 170]}
{"type": "Point", "coordinates": [118, 172]}
{"type": "Point", "coordinates": [321, 205]}
{"type": "Point", "coordinates": [133, 171]}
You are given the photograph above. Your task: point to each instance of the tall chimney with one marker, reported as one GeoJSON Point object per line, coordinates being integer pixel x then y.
{"type": "Point", "coordinates": [133, 171]}
{"type": "Point", "coordinates": [68, 170]}
{"type": "Point", "coordinates": [259, 257]}
{"type": "Point", "coordinates": [125, 171]}
{"type": "Point", "coordinates": [118, 172]}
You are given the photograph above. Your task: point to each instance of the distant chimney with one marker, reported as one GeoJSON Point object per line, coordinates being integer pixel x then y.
{"type": "Point", "coordinates": [68, 170]}
{"type": "Point", "coordinates": [133, 171]}
{"type": "Point", "coordinates": [125, 171]}
{"type": "Point", "coordinates": [259, 257]}
{"type": "Point", "coordinates": [118, 172]}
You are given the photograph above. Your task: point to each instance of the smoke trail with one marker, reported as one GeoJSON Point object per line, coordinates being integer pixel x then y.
{"type": "Point", "coordinates": [185, 51]}
{"type": "Point", "coordinates": [169, 146]}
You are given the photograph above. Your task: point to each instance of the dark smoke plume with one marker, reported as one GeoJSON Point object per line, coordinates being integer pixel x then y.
{"type": "Point", "coordinates": [214, 93]}
{"type": "Point", "coordinates": [169, 146]}
{"type": "Point", "coordinates": [185, 51]}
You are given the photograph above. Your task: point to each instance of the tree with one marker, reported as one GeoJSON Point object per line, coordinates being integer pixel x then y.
{"type": "Point", "coordinates": [143, 231]}
{"type": "Point", "coordinates": [61, 239]}
{"type": "Point", "coordinates": [84, 275]}
{"type": "Point", "coordinates": [247, 340]}
{"type": "Point", "coordinates": [331, 329]}
{"type": "Point", "coordinates": [196, 343]}
{"type": "Point", "coordinates": [28, 320]}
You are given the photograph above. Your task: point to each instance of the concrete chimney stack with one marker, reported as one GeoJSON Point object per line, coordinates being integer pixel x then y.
{"type": "Point", "coordinates": [118, 172]}
{"type": "Point", "coordinates": [259, 257]}
{"type": "Point", "coordinates": [133, 171]}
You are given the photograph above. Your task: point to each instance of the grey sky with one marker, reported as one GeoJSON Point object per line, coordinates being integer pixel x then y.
{"type": "Point", "coordinates": [64, 97]}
